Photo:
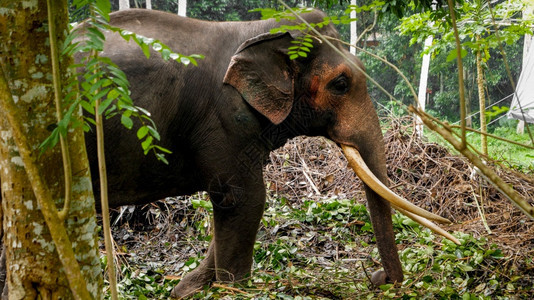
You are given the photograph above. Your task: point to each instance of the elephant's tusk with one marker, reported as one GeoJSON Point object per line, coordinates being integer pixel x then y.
{"type": "Point", "coordinates": [410, 210]}
{"type": "Point", "coordinates": [360, 167]}
{"type": "Point", "coordinates": [428, 225]}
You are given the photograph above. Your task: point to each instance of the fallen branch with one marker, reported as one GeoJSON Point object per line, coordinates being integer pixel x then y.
{"type": "Point", "coordinates": [233, 289]}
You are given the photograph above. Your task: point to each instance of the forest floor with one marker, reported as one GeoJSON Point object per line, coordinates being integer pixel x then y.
{"type": "Point", "coordinates": [315, 241]}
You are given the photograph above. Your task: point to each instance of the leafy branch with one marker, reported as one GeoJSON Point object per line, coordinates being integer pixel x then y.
{"type": "Point", "coordinates": [149, 43]}
{"type": "Point", "coordinates": [302, 45]}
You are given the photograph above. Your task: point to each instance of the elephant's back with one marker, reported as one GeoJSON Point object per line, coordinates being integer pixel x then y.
{"type": "Point", "coordinates": [217, 41]}
{"type": "Point", "coordinates": [179, 33]}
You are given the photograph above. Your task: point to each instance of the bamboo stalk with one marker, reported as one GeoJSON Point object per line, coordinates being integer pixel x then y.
{"type": "Point", "coordinates": [481, 100]}
{"type": "Point", "coordinates": [460, 74]}
{"type": "Point", "coordinates": [112, 277]}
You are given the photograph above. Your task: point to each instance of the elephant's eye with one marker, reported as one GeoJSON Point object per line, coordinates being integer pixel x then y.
{"type": "Point", "coordinates": [340, 85]}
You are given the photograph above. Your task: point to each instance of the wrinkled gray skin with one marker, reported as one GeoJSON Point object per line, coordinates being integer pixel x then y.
{"type": "Point", "coordinates": [221, 120]}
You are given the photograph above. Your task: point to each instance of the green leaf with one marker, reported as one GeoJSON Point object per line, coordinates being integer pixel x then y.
{"type": "Point", "coordinates": [88, 107]}
{"type": "Point", "coordinates": [193, 61]}
{"type": "Point", "coordinates": [104, 8]}
{"type": "Point", "coordinates": [201, 203]}
{"type": "Point", "coordinates": [51, 141]}
{"type": "Point", "coordinates": [410, 222]}
{"type": "Point", "coordinates": [96, 39]}
{"type": "Point", "coordinates": [147, 143]}
{"type": "Point", "coordinates": [142, 132]}
{"type": "Point", "coordinates": [162, 158]}
{"type": "Point", "coordinates": [125, 102]}
{"type": "Point", "coordinates": [126, 121]}
{"type": "Point", "coordinates": [386, 287]}
{"type": "Point", "coordinates": [146, 50]}
{"type": "Point", "coordinates": [185, 60]}
{"type": "Point", "coordinates": [153, 132]}
{"type": "Point", "coordinates": [166, 54]}
{"type": "Point", "coordinates": [453, 54]}
{"type": "Point", "coordinates": [96, 33]}
{"type": "Point", "coordinates": [163, 149]}
{"type": "Point", "coordinates": [146, 112]}
{"type": "Point", "coordinates": [157, 46]}
{"type": "Point", "coordinates": [71, 48]}
{"type": "Point", "coordinates": [113, 94]}
{"type": "Point", "coordinates": [126, 34]}
{"type": "Point", "coordinates": [94, 87]}
{"type": "Point", "coordinates": [111, 112]}
{"type": "Point", "coordinates": [119, 76]}
{"type": "Point", "coordinates": [104, 105]}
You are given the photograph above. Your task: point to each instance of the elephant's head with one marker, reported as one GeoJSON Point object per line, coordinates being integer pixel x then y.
{"type": "Point", "coordinates": [333, 92]}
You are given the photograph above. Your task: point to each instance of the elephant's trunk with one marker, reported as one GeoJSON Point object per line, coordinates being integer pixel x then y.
{"type": "Point", "coordinates": [372, 152]}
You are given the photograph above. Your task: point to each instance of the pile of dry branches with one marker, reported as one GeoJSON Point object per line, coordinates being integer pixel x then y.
{"type": "Point", "coordinates": [425, 173]}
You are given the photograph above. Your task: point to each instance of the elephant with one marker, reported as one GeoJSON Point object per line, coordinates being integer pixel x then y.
{"type": "Point", "coordinates": [222, 118]}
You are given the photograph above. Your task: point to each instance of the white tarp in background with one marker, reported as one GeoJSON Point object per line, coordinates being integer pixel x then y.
{"type": "Point", "coordinates": [524, 92]}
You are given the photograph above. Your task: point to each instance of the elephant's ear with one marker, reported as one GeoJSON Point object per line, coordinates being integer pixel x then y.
{"type": "Point", "coordinates": [260, 71]}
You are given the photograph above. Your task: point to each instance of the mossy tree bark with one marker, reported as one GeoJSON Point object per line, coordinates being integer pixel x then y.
{"type": "Point", "coordinates": [34, 269]}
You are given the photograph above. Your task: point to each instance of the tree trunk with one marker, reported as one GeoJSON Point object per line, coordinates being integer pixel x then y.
{"type": "Point", "coordinates": [182, 8]}
{"type": "Point", "coordinates": [353, 28]}
{"type": "Point", "coordinates": [481, 101]}
{"type": "Point", "coordinates": [34, 269]}
{"type": "Point", "coordinates": [528, 11]}
{"type": "Point", "coordinates": [423, 81]}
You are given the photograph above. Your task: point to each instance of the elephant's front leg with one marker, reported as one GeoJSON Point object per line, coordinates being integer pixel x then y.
{"type": "Point", "coordinates": [237, 215]}
{"type": "Point", "coordinates": [196, 279]}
